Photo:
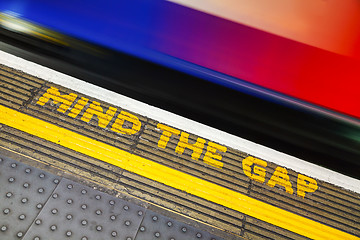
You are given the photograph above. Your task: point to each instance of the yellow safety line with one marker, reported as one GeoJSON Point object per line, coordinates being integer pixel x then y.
{"type": "Point", "coordinates": [170, 177]}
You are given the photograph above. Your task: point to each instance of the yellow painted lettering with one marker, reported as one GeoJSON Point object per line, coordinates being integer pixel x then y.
{"type": "Point", "coordinates": [212, 157]}
{"type": "Point", "coordinates": [54, 94]}
{"type": "Point", "coordinates": [256, 173]}
{"type": "Point", "coordinates": [96, 109]}
{"type": "Point", "coordinates": [281, 177]}
{"type": "Point", "coordinates": [78, 107]}
{"type": "Point", "coordinates": [118, 125]}
{"type": "Point", "coordinates": [196, 147]}
{"type": "Point", "coordinates": [166, 134]}
{"type": "Point", "coordinates": [305, 184]}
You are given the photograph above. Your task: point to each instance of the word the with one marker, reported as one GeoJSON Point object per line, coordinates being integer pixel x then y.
{"type": "Point", "coordinates": [211, 157]}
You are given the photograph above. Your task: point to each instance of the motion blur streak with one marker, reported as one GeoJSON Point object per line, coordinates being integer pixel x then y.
{"type": "Point", "coordinates": [156, 30]}
{"type": "Point", "coordinates": [332, 25]}
{"type": "Point", "coordinates": [16, 24]}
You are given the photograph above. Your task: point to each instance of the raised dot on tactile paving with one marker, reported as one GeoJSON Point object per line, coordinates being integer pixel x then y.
{"type": "Point", "coordinates": [55, 195]}
{"type": "Point", "coordinates": [140, 213]}
{"type": "Point", "coordinates": [19, 234]}
{"type": "Point", "coordinates": [6, 211]}
{"type": "Point", "coordinates": [84, 238]}
{"type": "Point", "coordinates": [24, 200]}
{"type": "Point", "coordinates": [26, 185]}
{"type": "Point", "coordinates": [39, 205]}
{"type": "Point", "coordinates": [36, 238]}
{"type": "Point", "coordinates": [128, 238]}
{"type": "Point", "coordinates": [68, 233]}
{"type": "Point", "coordinates": [198, 235]}
{"type": "Point", "coordinates": [142, 229]}
{"type": "Point", "coordinates": [127, 223]}
{"type": "Point", "coordinates": [28, 170]}
{"type": "Point", "coordinates": [154, 218]}
{"type": "Point", "coordinates": [38, 222]}
{"type": "Point", "coordinates": [113, 233]}
{"type": "Point", "coordinates": [54, 211]}
{"type": "Point", "coordinates": [83, 191]}
{"type": "Point", "coordinates": [41, 175]}
{"type": "Point", "coordinates": [11, 180]}
{"type": "Point", "coordinates": [126, 207]}
{"type": "Point", "coordinates": [157, 234]}
{"type": "Point", "coordinates": [83, 222]}
{"type": "Point", "coordinates": [9, 194]}
{"type": "Point", "coordinates": [13, 165]}
{"type": "Point", "coordinates": [112, 217]}
{"type": "Point", "coordinates": [70, 186]}
{"type": "Point", "coordinates": [53, 227]}
{"type": "Point", "coordinates": [56, 181]}
{"type": "Point", "coordinates": [22, 217]}
{"type": "Point", "coordinates": [98, 212]}
{"type": "Point", "coordinates": [184, 229]}
{"type": "Point", "coordinates": [97, 197]}
{"type": "Point", "coordinates": [69, 201]}
{"type": "Point", "coordinates": [69, 217]}
{"type": "Point", "coordinates": [83, 206]}
{"type": "Point", "coordinates": [98, 228]}
{"type": "Point", "coordinates": [169, 224]}
{"type": "Point", "coordinates": [41, 190]}
{"type": "Point", "coordinates": [112, 202]}
{"type": "Point", "coordinates": [3, 228]}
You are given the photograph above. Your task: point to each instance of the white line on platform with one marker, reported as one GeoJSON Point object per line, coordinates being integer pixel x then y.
{"type": "Point", "coordinates": [182, 123]}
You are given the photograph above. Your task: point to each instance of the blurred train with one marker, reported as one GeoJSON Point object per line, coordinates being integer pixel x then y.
{"type": "Point", "coordinates": [284, 74]}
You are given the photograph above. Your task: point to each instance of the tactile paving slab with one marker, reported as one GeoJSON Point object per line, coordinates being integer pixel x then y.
{"type": "Point", "coordinates": [23, 193]}
{"type": "Point", "coordinates": [75, 211]}
{"type": "Point", "coordinates": [159, 227]}
{"type": "Point", "coordinates": [37, 205]}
